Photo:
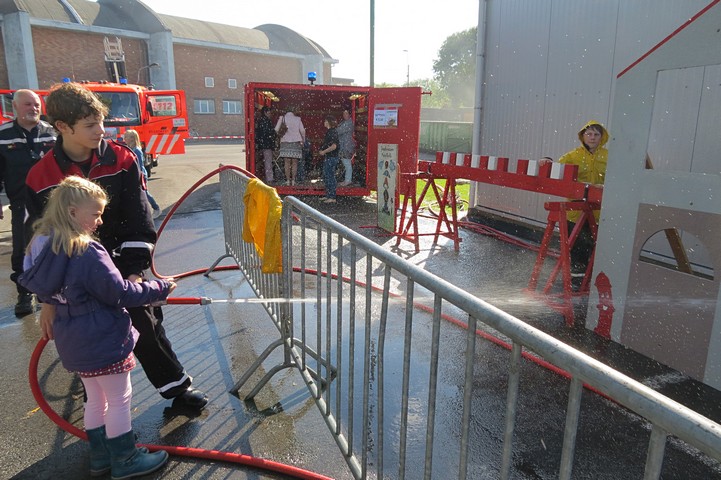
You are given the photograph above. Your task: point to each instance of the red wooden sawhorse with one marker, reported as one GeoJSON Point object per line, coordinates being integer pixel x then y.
{"type": "Point", "coordinates": [408, 230]}
{"type": "Point", "coordinates": [552, 179]}
{"type": "Point", "coordinates": [558, 215]}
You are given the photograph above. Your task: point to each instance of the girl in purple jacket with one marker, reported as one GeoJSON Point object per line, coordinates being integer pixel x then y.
{"type": "Point", "coordinates": [94, 337]}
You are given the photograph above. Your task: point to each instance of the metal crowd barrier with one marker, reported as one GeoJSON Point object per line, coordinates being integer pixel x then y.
{"type": "Point", "coordinates": [378, 357]}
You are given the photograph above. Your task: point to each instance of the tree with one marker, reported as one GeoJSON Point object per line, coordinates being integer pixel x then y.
{"type": "Point", "coordinates": [438, 97]}
{"type": "Point", "coordinates": [455, 67]}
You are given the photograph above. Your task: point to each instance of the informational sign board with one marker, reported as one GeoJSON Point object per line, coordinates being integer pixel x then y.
{"type": "Point", "coordinates": [387, 179]}
{"type": "Point", "coordinates": [385, 116]}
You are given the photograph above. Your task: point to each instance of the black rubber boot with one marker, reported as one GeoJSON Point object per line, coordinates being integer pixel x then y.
{"type": "Point", "coordinates": [192, 398]}
{"type": "Point", "coordinates": [24, 305]}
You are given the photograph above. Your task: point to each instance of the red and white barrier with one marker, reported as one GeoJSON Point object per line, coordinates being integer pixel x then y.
{"type": "Point", "coordinates": [218, 137]}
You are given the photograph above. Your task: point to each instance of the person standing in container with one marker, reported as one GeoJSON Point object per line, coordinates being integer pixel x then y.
{"type": "Point", "coordinates": [265, 142]}
{"type": "Point", "coordinates": [292, 136]}
{"type": "Point", "coordinates": [345, 131]}
{"type": "Point", "coordinates": [329, 148]}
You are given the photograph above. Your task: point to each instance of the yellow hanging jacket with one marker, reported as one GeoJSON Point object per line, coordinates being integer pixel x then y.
{"type": "Point", "coordinates": [261, 227]}
{"type": "Point", "coordinates": [591, 166]}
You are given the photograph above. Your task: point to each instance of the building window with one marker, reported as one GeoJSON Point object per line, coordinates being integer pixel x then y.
{"type": "Point", "coordinates": [232, 107]}
{"type": "Point", "coordinates": [204, 106]}
{"type": "Point", "coordinates": [232, 83]}
{"type": "Point", "coordinates": [209, 82]}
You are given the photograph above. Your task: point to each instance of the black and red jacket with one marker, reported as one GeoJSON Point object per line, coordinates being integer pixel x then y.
{"type": "Point", "coordinates": [19, 151]}
{"type": "Point", "coordinates": [128, 231]}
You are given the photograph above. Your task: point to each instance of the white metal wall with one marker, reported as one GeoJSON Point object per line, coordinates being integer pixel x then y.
{"type": "Point", "coordinates": [551, 66]}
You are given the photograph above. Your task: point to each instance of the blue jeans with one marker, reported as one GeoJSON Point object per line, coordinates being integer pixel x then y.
{"type": "Point", "coordinates": [152, 201]}
{"type": "Point", "coordinates": [329, 167]}
{"type": "Point", "coordinates": [348, 169]}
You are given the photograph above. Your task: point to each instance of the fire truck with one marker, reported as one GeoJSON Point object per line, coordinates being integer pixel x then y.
{"type": "Point", "coordinates": [159, 116]}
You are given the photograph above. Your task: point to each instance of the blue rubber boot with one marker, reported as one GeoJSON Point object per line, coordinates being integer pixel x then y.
{"type": "Point", "coordinates": [99, 454]}
{"type": "Point", "coordinates": [127, 461]}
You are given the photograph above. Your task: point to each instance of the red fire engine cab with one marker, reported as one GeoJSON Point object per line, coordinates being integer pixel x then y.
{"type": "Point", "coordinates": [386, 120]}
{"type": "Point", "coordinates": [159, 116]}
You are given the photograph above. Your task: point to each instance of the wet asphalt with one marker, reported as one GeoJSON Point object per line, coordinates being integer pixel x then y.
{"type": "Point", "coordinates": [218, 342]}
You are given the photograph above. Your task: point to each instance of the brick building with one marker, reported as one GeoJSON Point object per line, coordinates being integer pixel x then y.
{"type": "Point", "coordinates": [44, 41]}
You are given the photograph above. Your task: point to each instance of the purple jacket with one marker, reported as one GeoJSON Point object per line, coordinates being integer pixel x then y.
{"type": "Point", "coordinates": [92, 329]}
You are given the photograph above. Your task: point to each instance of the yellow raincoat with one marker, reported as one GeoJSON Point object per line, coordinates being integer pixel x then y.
{"type": "Point", "coordinates": [591, 166]}
{"type": "Point", "coordinates": [261, 227]}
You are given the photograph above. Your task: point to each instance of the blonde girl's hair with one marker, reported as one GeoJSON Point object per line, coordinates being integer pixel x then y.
{"type": "Point", "coordinates": [56, 221]}
{"type": "Point", "coordinates": [135, 142]}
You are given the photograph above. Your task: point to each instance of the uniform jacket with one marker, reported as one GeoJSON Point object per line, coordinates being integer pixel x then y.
{"type": "Point", "coordinates": [91, 327]}
{"type": "Point", "coordinates": [128, 231]}
{"type": "Point", "coordinates": [17, 156]}
{"type": "Point", "coordinates": [591, 166]}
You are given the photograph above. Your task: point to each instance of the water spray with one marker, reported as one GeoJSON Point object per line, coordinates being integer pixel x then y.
{"type": "Point", "coordinates": [208, 301]}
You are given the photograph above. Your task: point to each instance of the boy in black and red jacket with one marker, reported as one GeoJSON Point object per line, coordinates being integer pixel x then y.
{"type": "Point", "coordinates": [128, 231]}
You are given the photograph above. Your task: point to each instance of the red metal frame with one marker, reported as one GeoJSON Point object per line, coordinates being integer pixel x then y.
{"type": "Point", "coordinates": [558, 215]}
{"type": "Point", "coordinates": [409, 229]}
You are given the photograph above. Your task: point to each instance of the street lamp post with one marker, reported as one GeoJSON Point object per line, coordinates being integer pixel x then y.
{"type": "Point", "coordinates": [154, 64]}
{"type": "Point", "coordinates": [408, 70]}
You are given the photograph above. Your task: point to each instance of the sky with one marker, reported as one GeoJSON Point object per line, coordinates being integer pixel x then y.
{"type": "Point", "coordinates": [342, 28]}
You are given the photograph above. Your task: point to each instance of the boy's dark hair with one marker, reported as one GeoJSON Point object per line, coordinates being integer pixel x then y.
{"type": "Point", "coordinates": [331, 121]}
{"type": "Point", "coordinates": [595, 127]}
{"type": "Point", "coordinates": [70, 102]}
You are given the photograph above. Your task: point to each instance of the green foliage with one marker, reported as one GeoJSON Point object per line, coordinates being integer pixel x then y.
{"type": "Point", "coordinates": [438, 97]}
{"type": "Point", "coordinates": [455, 67]}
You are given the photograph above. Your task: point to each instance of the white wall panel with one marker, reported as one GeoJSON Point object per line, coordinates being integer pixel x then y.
{"type": "Point", "coordinates": [675, 116]}
{"type": "Point", "coordinates": [707, 148]}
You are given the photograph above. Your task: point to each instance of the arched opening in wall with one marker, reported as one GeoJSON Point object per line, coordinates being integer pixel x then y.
{"type": "Point", "coordinates": [678, 250]}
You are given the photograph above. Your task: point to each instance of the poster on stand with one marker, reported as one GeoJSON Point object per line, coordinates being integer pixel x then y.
{"type": "Point", "coordinates": [387, 179]}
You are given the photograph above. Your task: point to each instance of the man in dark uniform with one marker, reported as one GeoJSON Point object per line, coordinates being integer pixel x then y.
{"type": "Point", "coordinates": [127, 232]}
{"type": "Point", "coordinates": [22, 143]}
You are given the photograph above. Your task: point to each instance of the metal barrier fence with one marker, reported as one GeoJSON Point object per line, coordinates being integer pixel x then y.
{"type": "Point", "coordinates": [381, 358]}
